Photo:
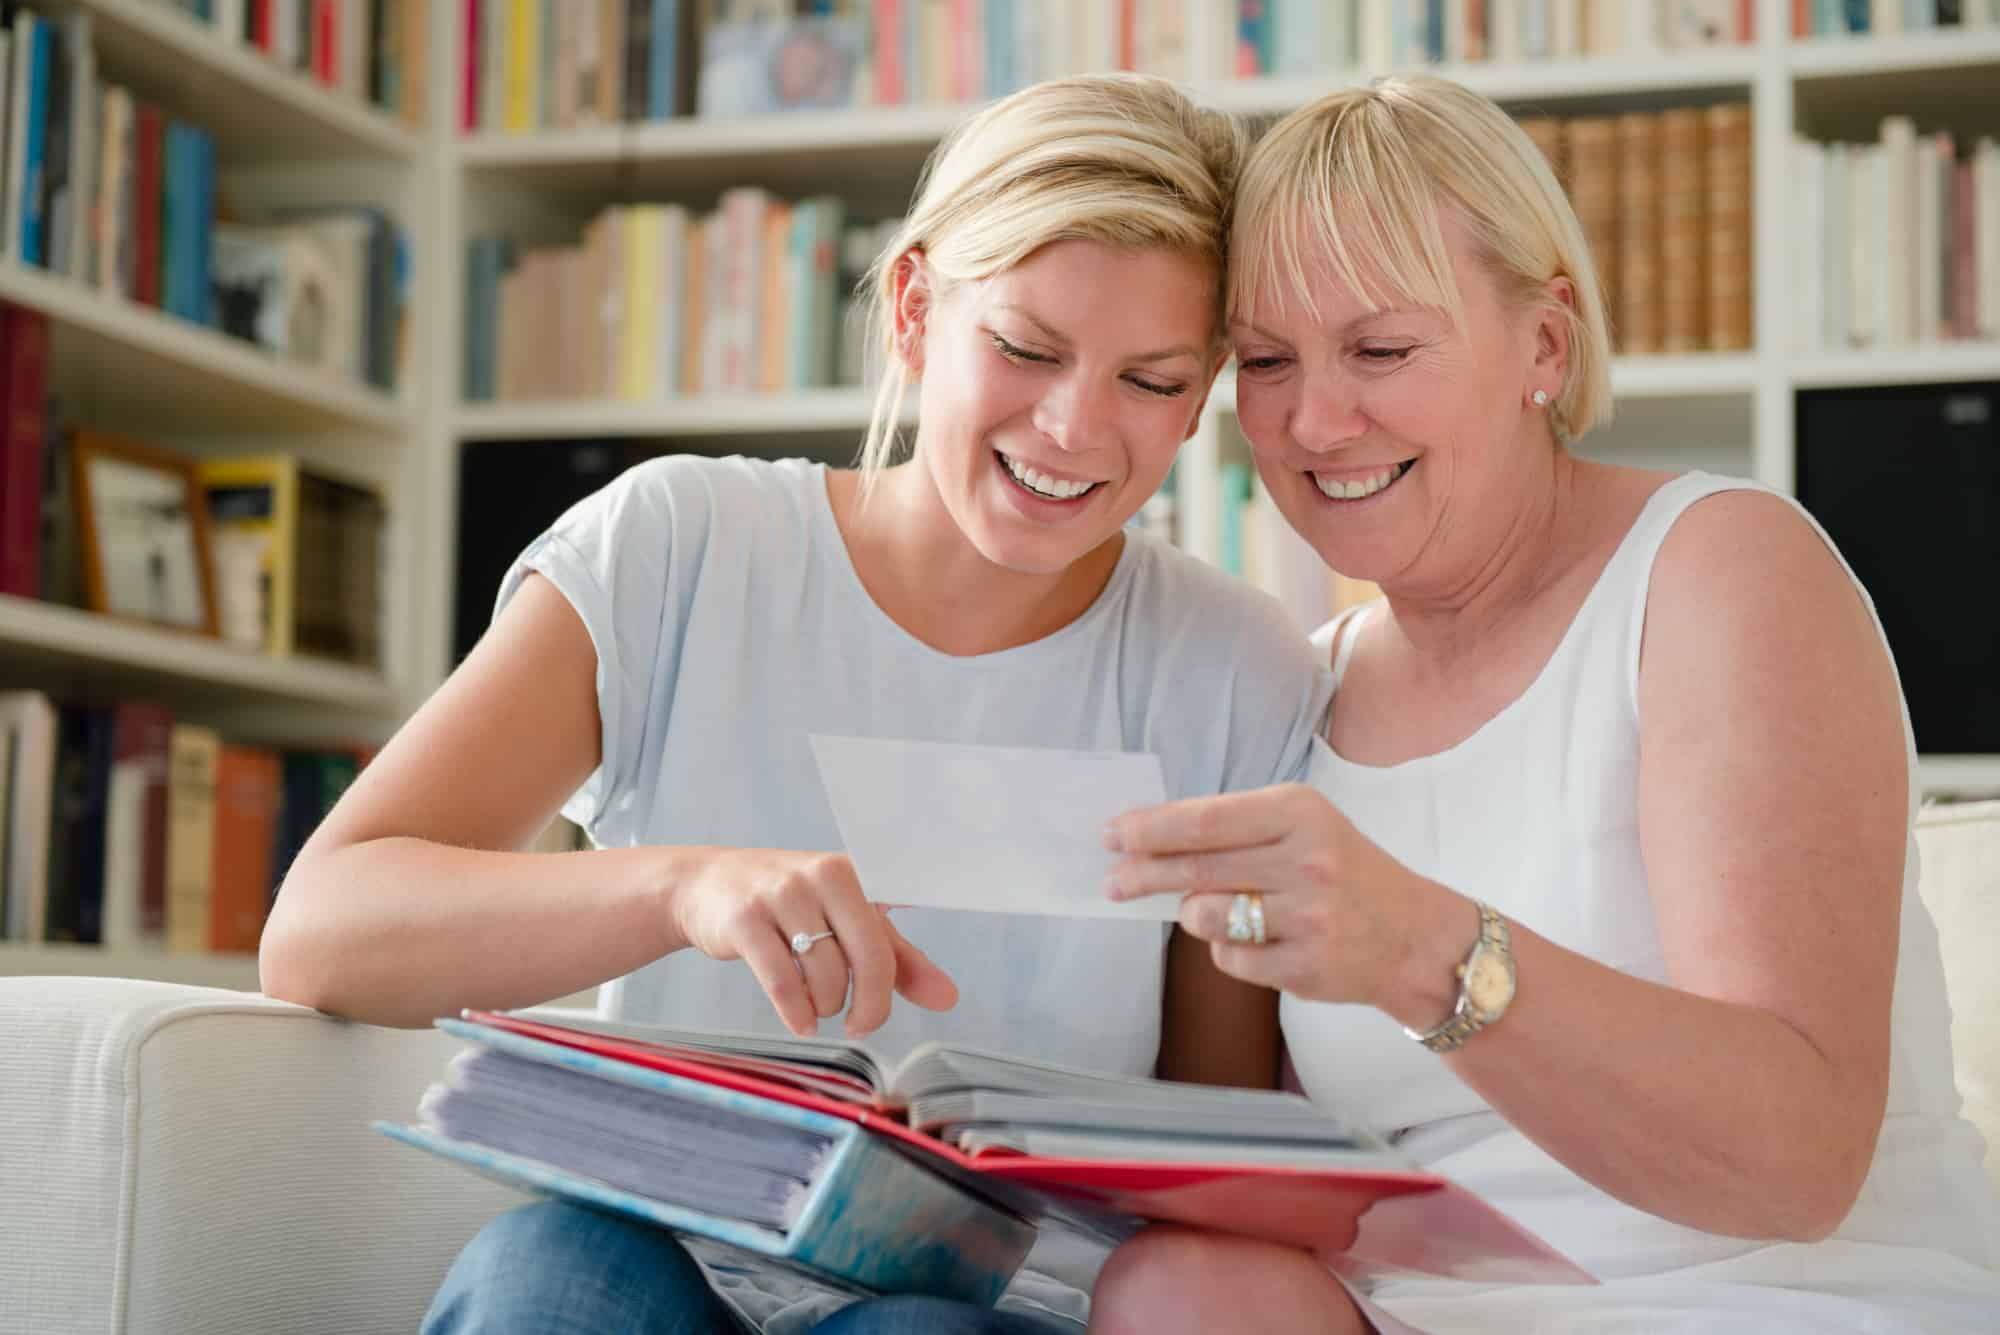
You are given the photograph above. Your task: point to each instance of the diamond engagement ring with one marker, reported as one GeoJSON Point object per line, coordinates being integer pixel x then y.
{"type": "Point", "coordinates": [804, 941]}
{"type": "Point", "coordinates": [1246, 919]}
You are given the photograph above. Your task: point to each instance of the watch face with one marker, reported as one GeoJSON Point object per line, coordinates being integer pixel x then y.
{"type": "Point", "coordinates": [1489, 983]}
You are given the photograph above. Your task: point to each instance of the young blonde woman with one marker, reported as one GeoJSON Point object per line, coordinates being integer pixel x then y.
{"type": "Point", "coordinates": [662, 655]}
{"type": "Point", "coordinates": [1627, 746]}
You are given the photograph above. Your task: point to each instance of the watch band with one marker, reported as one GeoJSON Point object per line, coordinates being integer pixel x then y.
{"type": "Point", "coordinates": [1464, 1022]}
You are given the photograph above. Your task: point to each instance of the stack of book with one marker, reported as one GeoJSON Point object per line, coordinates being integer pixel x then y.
{"type": "Point", "coordinates": [932, 1175]}
{"type": "Point", "coordinates": [123, 825]}
{"type": "Point", "coordinates": [1664, 202]}
{"type": "Point", "coordinates": [755, 297]}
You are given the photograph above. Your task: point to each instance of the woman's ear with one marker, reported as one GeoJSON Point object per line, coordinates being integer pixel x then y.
{"type": "Point", "coordinates": [911, 284]}
{"type": "Point", "coordinates": [1552, 330]}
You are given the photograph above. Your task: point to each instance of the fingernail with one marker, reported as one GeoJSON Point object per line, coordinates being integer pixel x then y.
{"type": "Point", "coordinates": [1113, 840]}
{"type": "Point", "coordinates": [1113, 888]}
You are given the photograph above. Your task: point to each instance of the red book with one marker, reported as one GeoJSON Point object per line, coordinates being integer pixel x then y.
{"type": "Point", "coordinates": [1379, 1216]}
{"type": "Point", "coordinates": [1964, 254]}
{"type": "Point", "coordinates": [248, 790]}
{"type": "Point", "coordinates": [24, 361]}
{"type": "Point", "coordinates": [326, 41]}
{"type": "Point", "coordinates": [135, 888]}
{"type": "Point", "coordinates": [889, 89]}
{"type": "Point", "coordinates": [148, 145]}
{"type": "Point", "coordinates": [468, 119]}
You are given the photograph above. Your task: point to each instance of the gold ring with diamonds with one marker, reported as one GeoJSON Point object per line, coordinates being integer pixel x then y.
{"type": "Point", "coordinates": [1246, 919]}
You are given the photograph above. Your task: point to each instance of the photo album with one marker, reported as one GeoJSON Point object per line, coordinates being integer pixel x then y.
{"type": "Point", "coordinates": [934, 1174]}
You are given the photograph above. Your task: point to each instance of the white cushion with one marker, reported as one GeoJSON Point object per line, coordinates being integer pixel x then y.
{"type": "Point", "coordinates": [180, 1159]}
{"type": "Point", "coordinates": [1960, 849]}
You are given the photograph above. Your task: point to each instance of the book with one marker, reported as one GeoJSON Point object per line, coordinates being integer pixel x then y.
{"type": "Point", "coordinates": [30, 722]}
{"type": "Point", "coordinates": [248, 791]}
{"type": "Point", "coordinates": [192, 755]}
{"type": "Point", "coordinates": [710, 1145]}
{"type": "Point", "coordinates": [135, 826]}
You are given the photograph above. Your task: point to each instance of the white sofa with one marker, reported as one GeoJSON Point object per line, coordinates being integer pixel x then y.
{"type": "Point", "coordinates": [177, 1159]}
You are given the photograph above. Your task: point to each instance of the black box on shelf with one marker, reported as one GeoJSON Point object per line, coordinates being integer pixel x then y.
{"type": "Point", "coordinates": [1906, 480]}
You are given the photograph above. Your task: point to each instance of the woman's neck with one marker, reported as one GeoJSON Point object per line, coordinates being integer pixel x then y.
{"type": "Point", "coordinates": [1515, 562]}
{"type": "Point", "coordinates": [927, 577]}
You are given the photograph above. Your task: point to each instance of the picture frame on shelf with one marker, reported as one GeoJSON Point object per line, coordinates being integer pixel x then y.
{"type": "Point", "coordinates": [142, 525]}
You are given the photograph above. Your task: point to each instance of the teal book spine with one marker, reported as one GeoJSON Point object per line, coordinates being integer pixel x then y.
{"type": "Point", "coordinates": [872, 1217]}
{"type": "Point", "coordinates": [1235, 502]}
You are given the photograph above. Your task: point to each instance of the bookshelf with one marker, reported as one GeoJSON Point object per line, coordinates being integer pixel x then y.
{"type": "Point", "coordinates": [128, 657]}
{"type": "Point", "coordinates": [284, 139]}
{"type": "Point", "coordinates": [1731, 412]}
{"type": "Point", "coordinates": [258, 111]}
{"type": "Point", "coordinates": [136, 362]}
{"type": "Point", "coordinates": [843, 408]}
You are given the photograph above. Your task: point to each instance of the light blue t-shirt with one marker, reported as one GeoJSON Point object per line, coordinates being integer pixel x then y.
{"type": "Point", "coordinates": [730, 625]}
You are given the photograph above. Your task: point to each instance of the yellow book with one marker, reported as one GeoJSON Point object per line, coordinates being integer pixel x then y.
{"type": "Point", "coordinates": [639, 349]}
{"type": "Point", "coordinates": [524, 65]}
{"type": "Point", "coordinates": [193, 754]}
{"type": "Point", "coordinates": [253, 509]}
{"type": "Point", "coordinates": [694, 305]}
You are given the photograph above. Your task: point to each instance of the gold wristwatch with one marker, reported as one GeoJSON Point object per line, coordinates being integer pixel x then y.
{"type": "Point", "coordinates": [1485, 986]}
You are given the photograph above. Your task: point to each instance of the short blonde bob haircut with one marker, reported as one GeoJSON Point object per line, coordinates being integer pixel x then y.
{"type": "Point", "coordinates": [1122, 159]}
{"type": "Point", "coordinates": [1363, 177]}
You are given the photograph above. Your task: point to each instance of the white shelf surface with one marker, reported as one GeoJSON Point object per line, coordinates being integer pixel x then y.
{"type": "Point", "coordinates": [867, 155]}
{"type": "Point", "coordinates": [257, 111]}
{"type": "Point", "coordinates": [848, 408]}
{"type": "Point", "coordinates": [1542, 81]}
{"type": "Point", "coordinates": [152, 660]}
{"type": "Point", "coordinates": [842, 409]}
{"type": "Point", "coordinates": [1842, 56]}
{"type": "Point", "coordinates": [174, 375]}
{"type": "Point", "coordinates": [20, 959]}
{"type": "Point", "coordinates": [1918, 364]}
{"type": "Point", "coordinates": [1960, 775]}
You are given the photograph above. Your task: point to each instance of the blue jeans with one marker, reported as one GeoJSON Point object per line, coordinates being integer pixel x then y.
{"type": "Point", "coordinates": [558, 1269]}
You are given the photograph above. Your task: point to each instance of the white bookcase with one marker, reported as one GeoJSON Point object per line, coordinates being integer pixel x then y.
{"type": "Point", "coordinates": [114, 365]}
{"type": "Point", "coordinates": [1730, 412]}
{"type": "Point", "coordinates": [281, 139]}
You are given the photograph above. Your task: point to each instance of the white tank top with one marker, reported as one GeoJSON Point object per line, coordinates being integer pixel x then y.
{"type": "Point", "coordinates": [1537, 813]}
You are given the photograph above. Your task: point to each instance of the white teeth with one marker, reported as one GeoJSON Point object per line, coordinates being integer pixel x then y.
{"type": "Point", "coordinates": [1044, 485]}
{"type": "Point", "coordinates": [1334, 489]}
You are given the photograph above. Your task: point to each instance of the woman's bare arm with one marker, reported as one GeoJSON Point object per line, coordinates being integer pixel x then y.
{"type": "Point", "coordinates": [411, 899]}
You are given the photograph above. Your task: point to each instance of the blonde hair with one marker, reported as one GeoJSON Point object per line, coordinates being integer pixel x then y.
{"type": "Point", "coordinates": [1122, 159]}
{"type": "Point", "coordinates": [1363, 176]}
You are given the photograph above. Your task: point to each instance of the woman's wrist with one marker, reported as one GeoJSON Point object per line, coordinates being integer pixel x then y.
{"type": "Point", "coordinates": [662, 888]}
{"type": "Point", "coordinates": [1421, 989]}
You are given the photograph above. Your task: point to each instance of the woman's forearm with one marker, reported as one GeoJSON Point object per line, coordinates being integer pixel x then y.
{"type": "Point", "coordinates": [399, 931]}
{"type": "Point", "coordinates": [1718, 1116]}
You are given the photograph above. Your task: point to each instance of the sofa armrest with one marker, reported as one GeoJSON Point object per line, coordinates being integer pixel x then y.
{"type": "Point", "coordinates": [190, 1159]}
{"type": "Point", "coordinates": [1960, 850]}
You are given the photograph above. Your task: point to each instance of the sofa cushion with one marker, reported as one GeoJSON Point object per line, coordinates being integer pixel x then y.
{"type": "Point", "coordinates": [1960, 849]}
{"type": "Point", "coordinates": [190, 1159]}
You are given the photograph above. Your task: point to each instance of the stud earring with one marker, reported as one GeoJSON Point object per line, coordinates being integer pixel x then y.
{"type": "Point", "coordinates": [1541, 398]}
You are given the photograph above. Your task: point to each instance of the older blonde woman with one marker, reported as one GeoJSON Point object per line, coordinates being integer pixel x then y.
{"type": "Point", "coordinates": [1603, 891]}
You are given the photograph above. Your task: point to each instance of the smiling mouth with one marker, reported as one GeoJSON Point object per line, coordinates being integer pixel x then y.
{"type": "Point", "coordinates": [1361, 488]}
{"type": "Point", "coordinates": [1040, 485]}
